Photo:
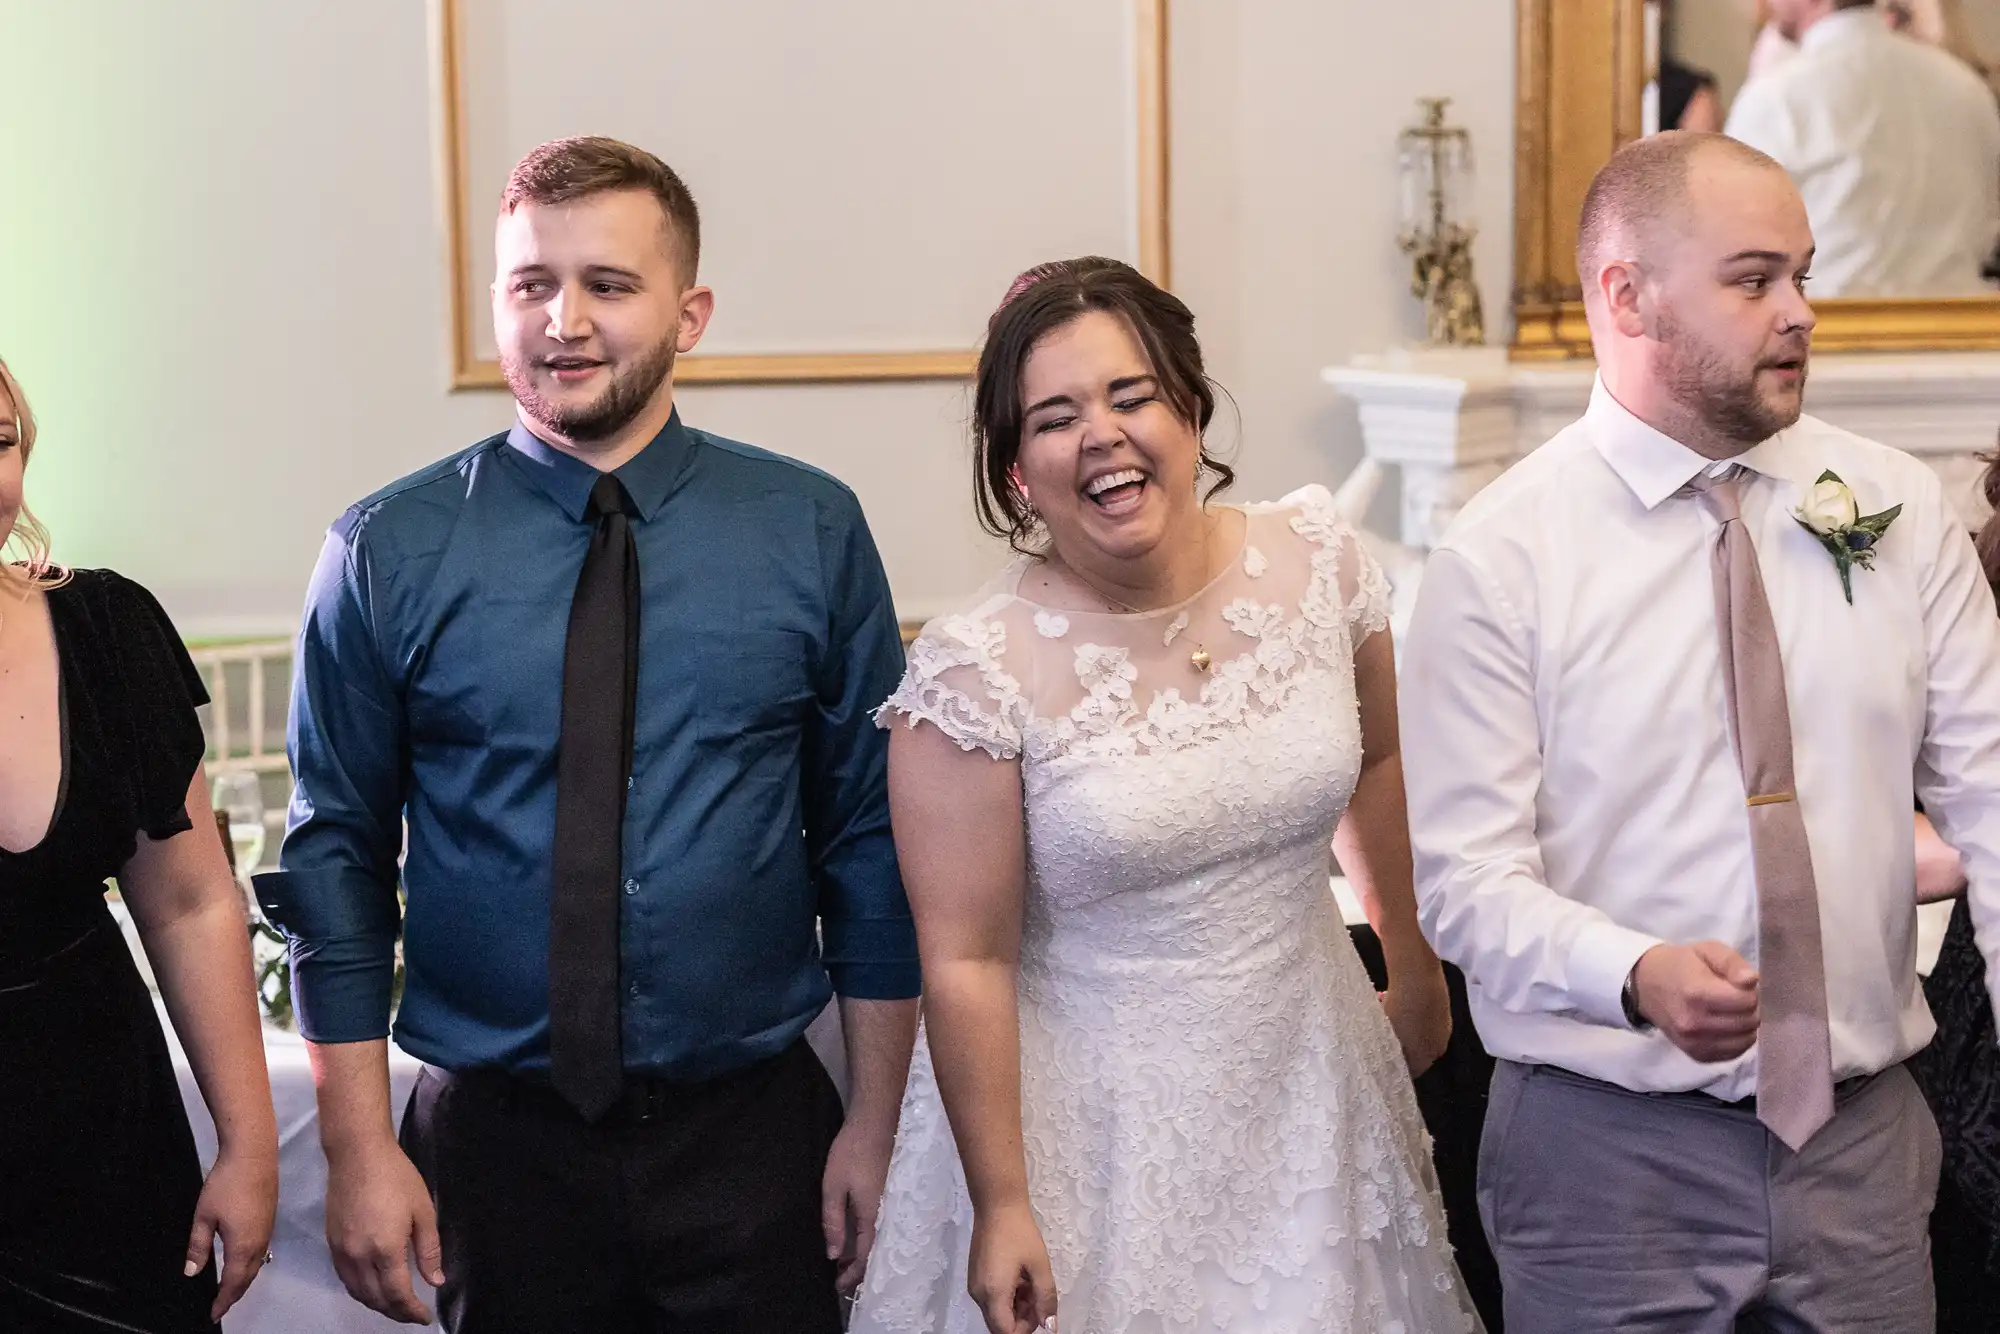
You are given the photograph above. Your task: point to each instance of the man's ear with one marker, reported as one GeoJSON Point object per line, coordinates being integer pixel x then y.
{"type": "Point", "coordinates": [697, 306]}
{"type": "Point", "coordinates": [1621, 285]}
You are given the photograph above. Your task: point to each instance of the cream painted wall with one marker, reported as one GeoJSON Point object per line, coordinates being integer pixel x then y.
{"type": "Point", "coordinates": [1286, 117]}
{"type": "Point", "coordinates": [221, 276]}
{"type": "Point", "coordinates": [1982, 22]}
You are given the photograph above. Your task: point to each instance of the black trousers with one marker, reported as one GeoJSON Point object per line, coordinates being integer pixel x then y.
{"type": "Point", "coordinates": [690, 1208]}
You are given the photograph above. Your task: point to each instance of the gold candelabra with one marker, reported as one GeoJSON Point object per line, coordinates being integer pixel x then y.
{"type": "Point", "coordinates": [1435, 167]}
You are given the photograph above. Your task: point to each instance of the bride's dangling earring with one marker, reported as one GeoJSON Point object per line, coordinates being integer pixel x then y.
{"type": "Point", "coordinates": [1028, 510]}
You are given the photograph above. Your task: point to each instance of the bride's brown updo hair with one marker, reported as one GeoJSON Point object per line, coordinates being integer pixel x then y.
{"type": "Point", "coordinates": [1039, 302]}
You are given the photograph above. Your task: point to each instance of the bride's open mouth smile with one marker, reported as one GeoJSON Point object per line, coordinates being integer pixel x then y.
{"type": "Point", "coordinates": [1117, 493]}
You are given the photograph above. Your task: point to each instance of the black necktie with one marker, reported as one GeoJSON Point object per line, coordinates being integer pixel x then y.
{"type": "Point", "coordinates": [593, 762]}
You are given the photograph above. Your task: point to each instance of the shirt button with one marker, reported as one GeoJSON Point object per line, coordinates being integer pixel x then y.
{"type": "Point", "coordinates": [628, 782]}
{"type": "Point", "coordinates": [631, 886]}
{"type": "Point", "coordinates": [635, 989]}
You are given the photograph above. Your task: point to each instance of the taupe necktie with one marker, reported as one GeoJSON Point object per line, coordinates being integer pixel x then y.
{"type": "Point", "coordinates": [1794, 1050]}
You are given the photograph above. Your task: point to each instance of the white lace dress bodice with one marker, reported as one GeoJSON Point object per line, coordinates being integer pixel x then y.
{"type": "Point", "coordinates": [1220, 1131]}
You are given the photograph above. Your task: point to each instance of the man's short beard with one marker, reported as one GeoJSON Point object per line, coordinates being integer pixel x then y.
{"type": "Point", "coordinates": [611, 412]}
{"type": "Point", "coordinates": [1713, 393]}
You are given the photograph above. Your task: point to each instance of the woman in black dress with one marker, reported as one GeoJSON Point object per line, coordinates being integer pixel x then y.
{"type": "Point", "coordinates": [1960, 1076]}
{"type": "Point", "coordinates": [105, 1221]}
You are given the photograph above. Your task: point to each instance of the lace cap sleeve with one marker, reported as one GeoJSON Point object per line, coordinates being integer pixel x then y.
{"type": "Point", "coordinates": [1345, 573]}
{"type": "Point", "coordinates": [957, 681]}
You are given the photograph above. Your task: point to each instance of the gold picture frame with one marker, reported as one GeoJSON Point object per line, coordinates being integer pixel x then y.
{"type": "Point", "coordinates": [469, 371]}
{"type": "Point", "coordinates": [1579, 75]}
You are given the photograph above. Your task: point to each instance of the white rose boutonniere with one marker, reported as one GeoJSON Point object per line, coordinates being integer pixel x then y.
{"type": "Point", "coordinates": [1831, 514]}
{"type": "Point", "coordinates": [1829, 507]}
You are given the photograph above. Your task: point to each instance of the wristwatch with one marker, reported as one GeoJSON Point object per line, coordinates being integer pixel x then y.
{"type": "Point", "coordinates": [1629, 999]}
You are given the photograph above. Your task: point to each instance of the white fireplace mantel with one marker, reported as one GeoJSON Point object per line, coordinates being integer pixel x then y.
{"type": "Point", "coordinates": [1453, 420]}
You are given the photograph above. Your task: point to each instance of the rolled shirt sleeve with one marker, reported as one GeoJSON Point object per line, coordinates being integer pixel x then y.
{"type": "Point", "coordinates": [335, 892]}
{"type": "Point", "coordinates": [869, 942]}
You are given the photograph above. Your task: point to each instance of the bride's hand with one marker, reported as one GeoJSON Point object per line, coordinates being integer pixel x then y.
{"type": "Point", "coordinates": [1009, 1274]}
{"type": "Point", "coordinates": [1419, 1007]}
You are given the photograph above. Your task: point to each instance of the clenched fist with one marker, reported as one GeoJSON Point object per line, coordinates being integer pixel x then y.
{"type": "Point", "coordinates": [1702, 996]}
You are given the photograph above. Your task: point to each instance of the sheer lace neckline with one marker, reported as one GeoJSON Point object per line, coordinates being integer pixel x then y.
{"type": "Point", "coordinates": [1243, 553]}
{"type": "Point", "coordinates": [1012, 677]}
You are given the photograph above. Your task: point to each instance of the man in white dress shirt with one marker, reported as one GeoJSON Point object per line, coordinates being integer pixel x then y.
{"type": "Point", "coordinates": [1895, 145]}
{"type": "Point", "coordinates": [1591, 852]}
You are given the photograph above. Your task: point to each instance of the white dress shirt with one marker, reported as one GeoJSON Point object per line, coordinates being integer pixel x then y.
{"type": "Point", "coordinates": [1574, 798]}
{"type": "Point", "coordinates": [1895, 147]}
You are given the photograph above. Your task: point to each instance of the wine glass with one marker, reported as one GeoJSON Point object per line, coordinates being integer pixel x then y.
{"type": "Point", "coordinates": [240, 796]}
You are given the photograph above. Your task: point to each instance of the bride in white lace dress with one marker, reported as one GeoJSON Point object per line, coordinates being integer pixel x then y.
{"type": "Point", "coordinates": [1175, 1102]}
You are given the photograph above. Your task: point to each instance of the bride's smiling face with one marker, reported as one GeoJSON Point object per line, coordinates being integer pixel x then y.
{"type": "Point", "coordinates": [1104, 457]}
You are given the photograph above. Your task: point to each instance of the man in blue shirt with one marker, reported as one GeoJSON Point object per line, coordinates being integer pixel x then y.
{"type": "Point", "coordinates": [614, 675]}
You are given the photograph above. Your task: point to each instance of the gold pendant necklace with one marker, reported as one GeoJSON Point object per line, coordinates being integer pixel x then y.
{"type": "Point", "coordinates": [1198, 659]}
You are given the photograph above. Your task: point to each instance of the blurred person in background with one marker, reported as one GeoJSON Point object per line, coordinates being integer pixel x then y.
{"type": "Point", "coordinates": [1894, 146]}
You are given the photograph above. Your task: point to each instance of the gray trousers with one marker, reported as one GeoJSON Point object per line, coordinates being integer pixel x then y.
{"type": "Point", "coordinates": [1674, 1214]}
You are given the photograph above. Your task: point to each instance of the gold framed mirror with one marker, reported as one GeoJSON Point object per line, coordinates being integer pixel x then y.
{"type": "Point", "coordinates": [1581, 91]}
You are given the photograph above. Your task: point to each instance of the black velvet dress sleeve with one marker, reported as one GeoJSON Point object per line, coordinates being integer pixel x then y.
{"type": "Point", "coordinates": [161, 690]}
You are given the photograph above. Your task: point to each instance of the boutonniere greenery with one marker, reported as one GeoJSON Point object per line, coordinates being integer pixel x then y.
{"type": "Point", "coordinates": [1831, 514]}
